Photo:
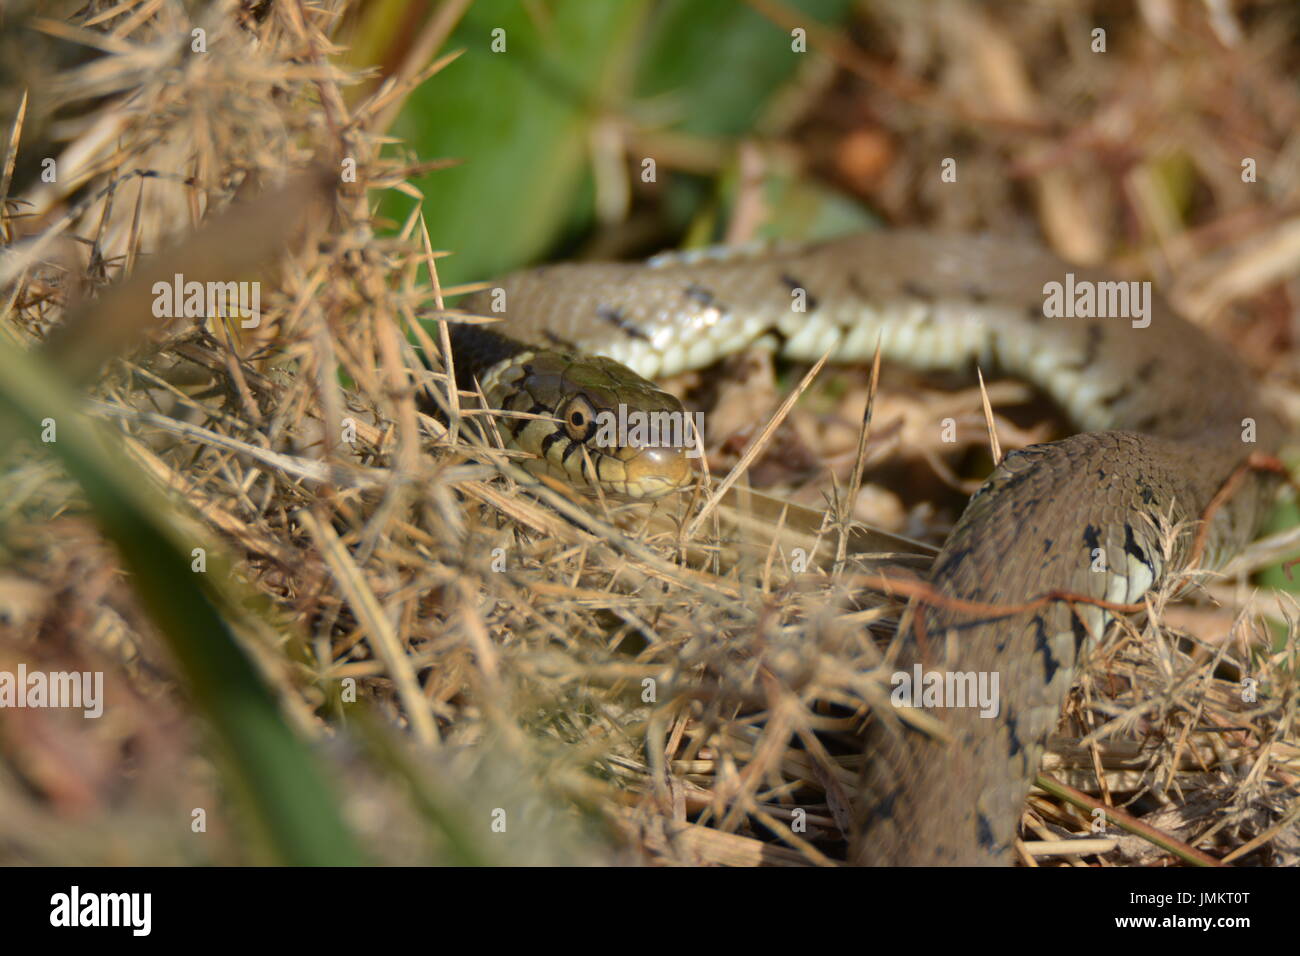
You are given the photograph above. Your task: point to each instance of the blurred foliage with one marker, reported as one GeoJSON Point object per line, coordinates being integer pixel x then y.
{"type": "Point", "coordinates": [722, 62]}
{"type": "Point", "coordinates": [1284, 516]}
{"type": "Point", "coordinates": [520, 120]}
{"type": "Point", "coordinates": [523, 120]}
{"type": "Point", "coordinates": [280, 786]}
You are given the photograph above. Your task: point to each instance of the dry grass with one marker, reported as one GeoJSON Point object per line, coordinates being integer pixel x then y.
{"type": "Point", "coordinates": [640, 693]}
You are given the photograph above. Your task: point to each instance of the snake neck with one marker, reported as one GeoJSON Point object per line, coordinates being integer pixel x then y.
{"type": "Point", "coordinates": [477, 351]}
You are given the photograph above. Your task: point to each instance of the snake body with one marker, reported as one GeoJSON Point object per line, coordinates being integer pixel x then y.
{"type": "Point", "coordinates": [1167, 416]}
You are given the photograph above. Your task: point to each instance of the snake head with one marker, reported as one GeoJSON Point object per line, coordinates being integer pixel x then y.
{"type": "Point", "coordinates": [610, 429]}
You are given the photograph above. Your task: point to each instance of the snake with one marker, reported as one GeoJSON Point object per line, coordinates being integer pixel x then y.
{"type": "Point", "coordinates": [1158, 477]}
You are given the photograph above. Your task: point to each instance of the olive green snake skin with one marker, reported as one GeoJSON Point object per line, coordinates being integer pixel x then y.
{"type": "Point", "coordinates": [1168, 416]}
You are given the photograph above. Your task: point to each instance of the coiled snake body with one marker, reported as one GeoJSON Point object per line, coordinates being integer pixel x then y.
{"type": "Point", "coordinates": [1168, 416]}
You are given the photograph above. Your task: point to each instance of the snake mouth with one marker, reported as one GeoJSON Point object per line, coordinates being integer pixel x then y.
{"type": "Point", "coordinates": [627, 472]}
{"type": "Point", "coordinates": [655, 472]}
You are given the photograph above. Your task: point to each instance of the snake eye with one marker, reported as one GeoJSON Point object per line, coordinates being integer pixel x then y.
{"type": "Point", "coordinates": [579, 419]}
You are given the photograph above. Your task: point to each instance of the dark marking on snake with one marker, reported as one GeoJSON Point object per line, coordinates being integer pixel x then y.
{"type": "Point", "coordinates": [1043, 646]}
{"type": "Point", "coordinates": [1132, 548]}
{"type": "Point", "coordinates": [977, 294]}
{"type": "Point", "coordinates": [1080, 630]}
{"type": "Point", "coordinates": [698, 293]}
{"type": "Point", "coordinates": [885, 805]}
{"type": "Point", "coordinates": [1035, 313]}
{"type": "Point", "coordinates": [944, 852]}
{"type": "Point", "coordinates": [1013, 735]}
{"type": "Point", "coordinates": [614, 316]}
{"type": "Point", "coordinates": [1092, 538]}
{"type": "Point", "coordinates": [559, 342]}
{"type": "Point", "coordinates": [516, 424]}
{"type": "Point", "coordinates": [858, 288]}
{"type": "Point", "coordinates": [1148, 496]}
{"type": "Point", "coordinates": [984, 832]}
{"type": "Point", "coordinates": [1121, 394]}
{"type": "Point", "coordinates": [917, 291]}
{"type": "Point", "coordinates": [550, 440]}
{"type": "Point", "coordinates": [569, 450]}
{"type": "Point", "coordinates": [795, 285]}
{"type": "Point", "coordinates": [781, 339]}
{"type": "Point", "coordinates": [954, 559]}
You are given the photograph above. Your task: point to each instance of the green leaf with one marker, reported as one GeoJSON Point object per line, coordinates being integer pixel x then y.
{"type": "Point", "coordinates": [722, 62]}
{"type": "Point", "coordinates": [521, 120]}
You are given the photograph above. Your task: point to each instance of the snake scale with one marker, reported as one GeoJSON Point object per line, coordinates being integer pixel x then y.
{"type": "Point", "coordinates": [1166, 414]}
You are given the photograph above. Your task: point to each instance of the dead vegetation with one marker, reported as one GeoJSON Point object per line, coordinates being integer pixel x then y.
{"type": "Point", "coordinates": [632, 692]}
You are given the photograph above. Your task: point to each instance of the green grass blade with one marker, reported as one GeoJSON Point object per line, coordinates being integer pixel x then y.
{"type": "Point", "coordinates": [273, 774]}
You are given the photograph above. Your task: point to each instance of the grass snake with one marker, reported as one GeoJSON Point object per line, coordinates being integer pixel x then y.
{"type": "Point", "coordinates": [1167, 416]}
